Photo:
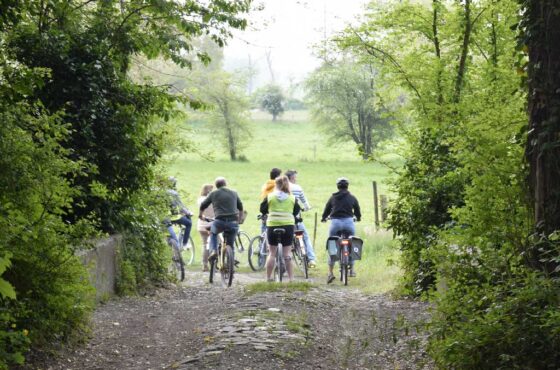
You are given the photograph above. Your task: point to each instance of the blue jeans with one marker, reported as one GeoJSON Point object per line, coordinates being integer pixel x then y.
{"type": "Point", "coordinates": [187, 223]}
{"type": "Point", "coordinates": [218, 226]}
{"type": "Point", "coordinates": [306, 241]}
{"type": "Point", "coordinates": [339, 224]}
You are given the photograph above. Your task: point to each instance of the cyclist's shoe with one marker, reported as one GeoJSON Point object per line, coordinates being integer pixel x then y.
{"type": "Point", "coordinates": [205, 269]}
{"type": "Point", "coordinates": [311, 264]}
{"type": "Point", "coordinates": [352, 273]}
{"type": "Point", "coordinates": [330, 278]}
{"type": "Point", "coordinates": [213, 256]}
{"type": "Point", "coordinates": [270, 280]}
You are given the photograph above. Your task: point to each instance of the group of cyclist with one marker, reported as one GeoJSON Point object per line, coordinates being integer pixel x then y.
{"type": "Point", "coordinates": [282, 201]}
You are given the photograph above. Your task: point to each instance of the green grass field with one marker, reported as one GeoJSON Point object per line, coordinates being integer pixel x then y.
{"type": "Point", "coordinates": [294, 143]}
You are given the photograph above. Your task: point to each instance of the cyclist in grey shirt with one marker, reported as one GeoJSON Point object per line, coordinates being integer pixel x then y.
{"type": "Point", "coordinates": [227, 206]}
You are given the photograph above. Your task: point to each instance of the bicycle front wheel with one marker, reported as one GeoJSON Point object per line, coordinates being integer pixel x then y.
{"type": "Point", "coordinates": [242, 241]}
{"type": "Point", "coordinates": [188, 251]}
{"type": "Point", "coordinates": [227, 268]}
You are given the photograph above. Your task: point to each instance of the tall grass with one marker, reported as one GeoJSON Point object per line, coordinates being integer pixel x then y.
{"type": "Point", "coordinates": [294, 143]}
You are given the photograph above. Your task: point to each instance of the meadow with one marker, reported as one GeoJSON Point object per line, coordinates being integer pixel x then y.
{"type": "Point", "coordinates": [294, 143]}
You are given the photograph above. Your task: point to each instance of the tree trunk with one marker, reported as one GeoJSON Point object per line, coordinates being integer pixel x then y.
{"type": "Point", "coordinates": [542, 32]}
{"type": "Point", "coordinates": [462, 68]}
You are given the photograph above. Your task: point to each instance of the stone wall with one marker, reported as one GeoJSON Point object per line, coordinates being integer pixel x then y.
{"type": "Point", "coordinates": [101, 262]}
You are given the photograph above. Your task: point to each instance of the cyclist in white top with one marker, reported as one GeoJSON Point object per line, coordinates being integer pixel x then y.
{"type": "Point", "coordinates": [297, 192]}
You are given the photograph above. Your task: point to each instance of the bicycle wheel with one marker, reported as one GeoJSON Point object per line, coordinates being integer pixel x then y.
{"type": "Point", "coordinates": [212, 271]}
{"type": "Point", "coordinates": [242, 241]}
{"type": "Point", "coordinates": [279, 268]}
{"type": "Point", "coordinates": [344, 273]}
{"type": "Point", "coordinates": [299, 258]}
{"type": "Point", "coordinates": [188, 251]}
{"type": "Point", "coordinates": [255, 254]}
{"type": "Point", "coordinates": [178, 265]}
{"type": "Point", "coordinates": [226, 269]}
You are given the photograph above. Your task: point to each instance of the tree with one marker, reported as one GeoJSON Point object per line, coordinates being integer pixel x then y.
{"type": "Point", "coordinates": [272, 100]}
{"type": "Point", "coordinates": [229, 111]}
{"type": "Point", "coordinates": [343, 100]}
{"type": "Point", "coordinates": [81, 146]}
{"type": "Point", "coordinates": [541, 25]}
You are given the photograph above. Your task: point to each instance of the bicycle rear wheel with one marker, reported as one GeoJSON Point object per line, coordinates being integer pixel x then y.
{"type": "Point", "coordinates": [344, 273]}
{"type": "Point", "coordinates": [242, 241]}
{"type": "Point", "coordinates": [300, 258]}
{"type": "Point", "coordinates": [212, 271]}
{"type": "Point", "coordinates": [178, 265]}
{"type": "Point", "coordinates": [255, 255]}
{"type": "Point", "coordinates": [227, 268]}
{"type": "Point", "coordinates": [279, 268]}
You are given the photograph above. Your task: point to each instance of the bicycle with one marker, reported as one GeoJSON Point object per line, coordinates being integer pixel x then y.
{"type": "Point", "coordinates": [224, 261]}
{"type": "Point", "coordinates": [348, 249]}
{"type": "Point", "coordinates": [258, 251]}
{"type": "Point", "coordinates": [189, 249]}
{"type": "Point", "coordinates": [299, 253]}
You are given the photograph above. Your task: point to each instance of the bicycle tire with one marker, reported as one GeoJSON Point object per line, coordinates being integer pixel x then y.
{"type": "Point", "coordinates": [344, 273]}
{"type": "Point", "coordinates": [212, 270]}
{"type": "Point", "coordinates": [300, 259]}
{"type": "Point", "coordinates": [306, 267]}
{"type": "Point", "coordinates": [227, 268]}
{"type": "Point", "coordinates": [189, 251]}
{"type": "Point", "coordinates": [255, 257]}
{"type": "Point", "coordinates": [242, 241]}
{"type": "Point", "coordinates": [177, 261]}
{"type": "Point", "coordinates": [278, 271]}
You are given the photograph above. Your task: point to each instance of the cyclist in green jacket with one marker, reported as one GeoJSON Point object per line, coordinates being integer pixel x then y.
{"type": "Point", "coordinates": [281, 209]}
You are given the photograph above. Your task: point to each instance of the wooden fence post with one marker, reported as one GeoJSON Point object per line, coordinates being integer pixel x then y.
{"type": "Point", "coordinates": [375, 205]}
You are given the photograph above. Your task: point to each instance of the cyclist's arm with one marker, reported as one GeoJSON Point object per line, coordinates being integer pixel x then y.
{"type": "Point", "coordinates": [239, 204]}
{"type": "Point", "coordinates": [264, 207]}
{"type": "Point", "coordinates": [304, 202]}
{"type": "Point", "coordinates": [205, 204]}
{"type": "Point", "coordinates": [327, 211]}
{"type": "Point", "coordinates": [297, 210]}
{"type": "Point", "coordinates": [357, 211]}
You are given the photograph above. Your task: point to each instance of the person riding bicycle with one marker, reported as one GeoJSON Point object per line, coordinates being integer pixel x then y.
{"type": "Point", "coordinates": [267, 188]}
{"type": "Point", "coordinates": [341, 207]}
{"type": "Point", "coordinates": [227, 206]}
{"type": "Point", "coordinates": [297, 191]}
{"type": "Point", "coordinates": [179, 214]}
{"type": "Point", "coordinates": [281, 209]}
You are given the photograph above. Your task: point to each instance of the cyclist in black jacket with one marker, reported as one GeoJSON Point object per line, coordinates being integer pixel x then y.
{"type": "Point", "coordinates": [341, 207]}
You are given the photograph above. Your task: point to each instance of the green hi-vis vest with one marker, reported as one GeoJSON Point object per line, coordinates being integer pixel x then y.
{"type": "Point", "coordinates": [280, 212]}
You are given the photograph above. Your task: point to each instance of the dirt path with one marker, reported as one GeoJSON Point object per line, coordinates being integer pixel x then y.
{"type": "Point", "coordinates": [196, 325]}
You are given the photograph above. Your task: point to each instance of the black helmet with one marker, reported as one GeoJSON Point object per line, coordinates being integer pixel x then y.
{"type": "Point", "coordinates": [342, 182]}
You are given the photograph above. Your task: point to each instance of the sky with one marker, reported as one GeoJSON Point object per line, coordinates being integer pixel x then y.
{"type": "Point", "coordinates": [287, 31]}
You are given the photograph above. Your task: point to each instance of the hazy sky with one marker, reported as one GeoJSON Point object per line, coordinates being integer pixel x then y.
{"type": "Point", "coordinates": [287, 29]}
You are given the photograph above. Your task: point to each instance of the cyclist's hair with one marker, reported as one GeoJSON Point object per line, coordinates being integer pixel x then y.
{"type": "Point", "coordinates": [274, 173]}
{"type": "Point", "coordinates": [282, 184]}
{"type": "Point", "coordinates": [220, 182]}
{"type": "Point", "coordinates": [290, 174]}
{"type": "Point", "coordinates": [206, 189]}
